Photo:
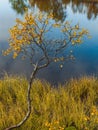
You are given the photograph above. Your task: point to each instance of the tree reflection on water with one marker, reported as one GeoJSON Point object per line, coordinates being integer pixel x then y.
{"type": "Point", "coordinates": [58, 7]}
{"type": "Point", "coordinates": [19, 5]}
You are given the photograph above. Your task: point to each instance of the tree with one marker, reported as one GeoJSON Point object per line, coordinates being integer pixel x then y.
{"type": "Point", "coordinates": [32, 39]}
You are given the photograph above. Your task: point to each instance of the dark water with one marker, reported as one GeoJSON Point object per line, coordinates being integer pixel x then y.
{"type": "Point", "coordinates": [84, 13]}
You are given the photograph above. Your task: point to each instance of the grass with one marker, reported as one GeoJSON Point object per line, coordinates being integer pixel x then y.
{"type": "Point", "coordinates": [72, 106]}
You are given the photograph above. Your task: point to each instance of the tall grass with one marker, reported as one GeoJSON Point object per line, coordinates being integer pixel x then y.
{"type": "Point", "coordinates": [73, 106]}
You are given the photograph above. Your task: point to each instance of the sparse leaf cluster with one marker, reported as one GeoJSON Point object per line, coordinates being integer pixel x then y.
{"type": "Point", "coordinates": [30, 37]}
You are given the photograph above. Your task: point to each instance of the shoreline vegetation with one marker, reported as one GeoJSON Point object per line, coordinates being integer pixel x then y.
{"type": "Point", "coordinates": [72, 106]}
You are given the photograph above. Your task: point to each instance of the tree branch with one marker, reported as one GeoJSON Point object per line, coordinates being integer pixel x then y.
{"type": "Point", "coordinates": [28, 100]}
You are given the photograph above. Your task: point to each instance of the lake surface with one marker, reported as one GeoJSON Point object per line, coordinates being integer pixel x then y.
{"type": "Point", "coordinates": [86, 54]}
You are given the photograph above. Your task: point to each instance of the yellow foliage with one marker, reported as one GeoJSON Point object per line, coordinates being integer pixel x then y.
{"type": "Point", "coordinates": [33, 28]}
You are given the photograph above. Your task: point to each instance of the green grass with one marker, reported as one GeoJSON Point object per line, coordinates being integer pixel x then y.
{"type": "Point", "coordinates": [73, 106]}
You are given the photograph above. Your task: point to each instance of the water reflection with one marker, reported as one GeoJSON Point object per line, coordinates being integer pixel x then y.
{"type": "Point", "coordinates": [58, 7]}
{"type": "Point", "coordinates": [54, 6]}
{"type": "Point", "coordinates": [47, 6]}
{"type": "Point", "coordinates": [19, 5]}
{"type": "Point", "coordinates": [86, 62]}
{"type": "Point", "coordinates": [87, 7]}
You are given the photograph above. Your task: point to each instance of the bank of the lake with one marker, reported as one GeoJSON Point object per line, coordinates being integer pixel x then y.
{"type": "Point", "coordinates": [73, 105]}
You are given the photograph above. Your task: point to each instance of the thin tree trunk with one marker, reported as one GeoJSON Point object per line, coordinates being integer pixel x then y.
{"type": "Point", "coordinates": [28, 101]}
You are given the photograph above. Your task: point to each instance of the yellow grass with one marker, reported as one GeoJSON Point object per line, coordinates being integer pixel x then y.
{"type": "Point", "coordinates": [73, 106]}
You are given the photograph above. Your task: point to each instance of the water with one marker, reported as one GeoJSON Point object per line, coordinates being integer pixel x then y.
{"type": "Point", "coordinates": [84, 13]}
